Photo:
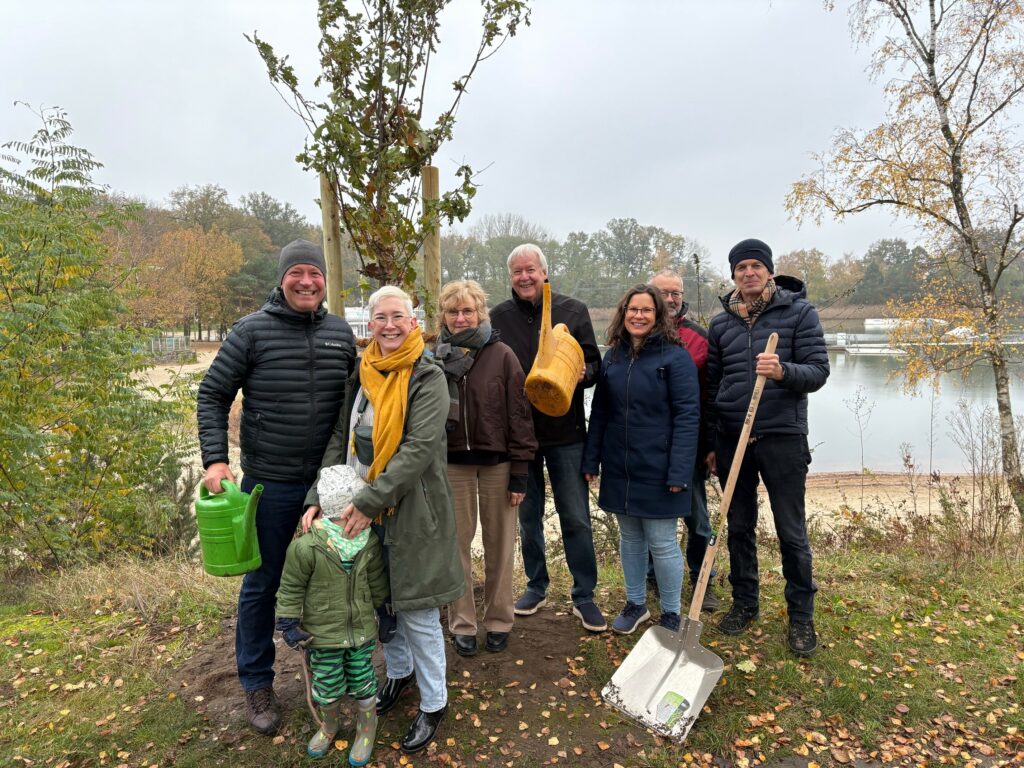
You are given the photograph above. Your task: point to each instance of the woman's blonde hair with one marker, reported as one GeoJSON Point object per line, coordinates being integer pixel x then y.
{"type": "Point", "coordinates": [465, 291]}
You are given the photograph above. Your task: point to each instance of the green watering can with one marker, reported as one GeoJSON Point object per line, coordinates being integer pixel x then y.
{"type": "Point", "coordinates": [227, 529]}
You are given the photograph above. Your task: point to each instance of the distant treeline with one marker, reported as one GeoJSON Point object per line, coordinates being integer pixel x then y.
{"type": "Point", "coordinates": [203, 261]}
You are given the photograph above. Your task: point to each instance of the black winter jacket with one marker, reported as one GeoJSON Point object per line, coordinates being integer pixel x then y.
{"type": "Point", "coordinates": [292, 368]}
{"type": "Point", "coordinates": [518, 322]}
{"type": "Point", "coordinates": [732, 351]}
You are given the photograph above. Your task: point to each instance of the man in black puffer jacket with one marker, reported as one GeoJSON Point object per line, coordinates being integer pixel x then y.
{"type": "Point", "coordinates": [291, 360]}
{"type": "Point", "coordinates": [777, 452]}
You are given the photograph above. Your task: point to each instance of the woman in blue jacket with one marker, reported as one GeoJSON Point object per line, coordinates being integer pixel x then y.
{"type": "Point", "coordinates": [642, 439]}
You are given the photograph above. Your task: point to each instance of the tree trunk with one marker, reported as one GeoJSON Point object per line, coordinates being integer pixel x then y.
{"type": "Point", "coordinates": [1007, 429]}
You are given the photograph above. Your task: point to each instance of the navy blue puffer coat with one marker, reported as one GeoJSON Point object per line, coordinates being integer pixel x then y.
{"type": "Point", "coordinates": [732, 352]}
{"type": "Point", "coordinates": [643, 430]}
{"type": "Point", "coordinates": [292, 368]}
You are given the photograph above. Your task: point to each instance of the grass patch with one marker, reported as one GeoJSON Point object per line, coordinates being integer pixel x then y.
{"type": "Point", "coordinates": [917, 663]}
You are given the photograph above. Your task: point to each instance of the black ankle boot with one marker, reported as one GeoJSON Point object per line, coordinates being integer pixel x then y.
{"type": "Point", "coordinates": [422, 730]}
{"type": "Point", "coordinates": [391, 691]}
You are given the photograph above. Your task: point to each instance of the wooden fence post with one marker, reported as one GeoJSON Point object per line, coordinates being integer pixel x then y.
{"type": "Point", "coordinates": [331, 217]}
{"type": "Point", "coordinates": [432, 252]}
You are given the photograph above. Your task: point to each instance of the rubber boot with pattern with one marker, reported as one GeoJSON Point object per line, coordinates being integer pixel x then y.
{"type": "Point", "coordinates": [323, 739]}
{"type": "Point", "coordinates": [366, 732]}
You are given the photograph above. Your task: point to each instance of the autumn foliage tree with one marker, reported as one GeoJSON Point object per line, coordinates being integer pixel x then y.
{"type": "Point", "coordinates": [369, 134]}
{"type": "Point", "coordinates": [949, 157]}
{"type": "Point", "coordinates": [191, 281]}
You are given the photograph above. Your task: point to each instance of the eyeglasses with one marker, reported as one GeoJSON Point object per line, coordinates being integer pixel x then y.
{"type": "Point", "coordinates": [671, 294]}
{"type": "Point", "coordinates": [454, 314]}
{"type": "Point", "coordinates": [639, 310]}
{"type": "Point", "coordinates": [385, 319]}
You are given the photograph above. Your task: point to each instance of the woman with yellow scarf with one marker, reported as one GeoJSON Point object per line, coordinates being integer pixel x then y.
{"type": "Point", "coordinates": [392, 431]}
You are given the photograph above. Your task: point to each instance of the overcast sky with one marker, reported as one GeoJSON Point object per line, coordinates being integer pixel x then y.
{"type": "Point", "coordinates": [692, 115]}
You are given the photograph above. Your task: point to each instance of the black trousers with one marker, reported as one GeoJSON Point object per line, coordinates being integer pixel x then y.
{"type": "Point", "coordinates": [780, 461]}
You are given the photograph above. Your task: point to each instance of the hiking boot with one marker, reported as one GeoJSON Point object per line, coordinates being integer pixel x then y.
{"type": "Point", "coordinates": [632, 614]}
{"type": "Point", "coordinates": [366, 731]}
{"type": "Point", "coordinates": [591, 617]}
{"type": "Point", "coordinates": [529, 604]}
{"type": "Point", "coordinates": [669, 621]}
{"type": "Point", "coordinates": [264, 715]}
{"type": "Point", "coordinates": [802, 639]}
{"type": "Point", "coordinates": [323, 739]}
{"type": "Point", "coordinates": [739, 617]}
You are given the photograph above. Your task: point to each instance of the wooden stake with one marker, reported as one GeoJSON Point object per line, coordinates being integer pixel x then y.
{"type": "Point", "coordinates": [432, 252]}
{"type": "Point", "coordinates": [331, 216]}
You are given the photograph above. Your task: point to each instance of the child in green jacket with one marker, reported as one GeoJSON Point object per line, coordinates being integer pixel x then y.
{"type": "Point", "coordinates": [329, 589]}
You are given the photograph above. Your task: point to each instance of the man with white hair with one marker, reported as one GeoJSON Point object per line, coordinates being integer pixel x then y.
{"type": "Point", "coordinates": [560, 440]}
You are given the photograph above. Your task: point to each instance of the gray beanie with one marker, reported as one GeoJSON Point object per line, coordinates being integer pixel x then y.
{"type": "Point", "coordinates": [300, 252]}
{"type": "Point", "coordinates": [751, 249]}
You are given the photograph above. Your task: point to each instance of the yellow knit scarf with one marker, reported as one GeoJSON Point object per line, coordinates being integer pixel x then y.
{"type": "Point", "coordinates": [385, 379]}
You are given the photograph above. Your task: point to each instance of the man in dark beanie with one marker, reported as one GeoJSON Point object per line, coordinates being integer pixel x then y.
{"type": "Point", "coordinates": [763, 303]}
{"type": "Point", "coordinates": [291, 359]}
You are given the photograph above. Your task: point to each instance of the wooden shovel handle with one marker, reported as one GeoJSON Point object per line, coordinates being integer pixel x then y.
{"type": "Point", "coordinates": [730, 486]}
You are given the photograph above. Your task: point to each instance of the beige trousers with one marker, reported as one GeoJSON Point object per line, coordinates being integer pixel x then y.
{"type": "Point", "coordinates": [482, 492]}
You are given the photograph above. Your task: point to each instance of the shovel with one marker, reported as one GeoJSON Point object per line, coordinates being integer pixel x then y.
{"type": "Point", "coordinates": [668, 676]}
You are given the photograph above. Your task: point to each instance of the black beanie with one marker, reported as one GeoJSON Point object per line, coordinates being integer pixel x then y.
{"type": "Point", "coordinates": [751, 249]}
{"type": "Point", "coordinates": [300, 252]}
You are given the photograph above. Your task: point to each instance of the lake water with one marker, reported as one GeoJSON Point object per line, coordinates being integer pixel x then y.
{"type": "Point", "coordinates": [895, 418]}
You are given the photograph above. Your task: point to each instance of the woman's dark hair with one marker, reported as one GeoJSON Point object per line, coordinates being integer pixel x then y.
{"type": "Point", "coordinates": [663, 323]}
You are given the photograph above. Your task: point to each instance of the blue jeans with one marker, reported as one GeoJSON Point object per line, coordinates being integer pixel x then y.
{"type": "Point", "coordinates": [572, 503]}
{"type": "Point", "coordinates": [277, 515]}
{"type": "Point", "coordinates": [781, 461]}
{"type": "Point", "coordinates": [418, 646]}
{"type": "Point", "coordinates": [639, 536]}
{"type": "Point", "coordinates": [698, 527]}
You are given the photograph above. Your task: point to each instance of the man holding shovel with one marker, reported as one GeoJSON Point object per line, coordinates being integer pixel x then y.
{"type": "Point", "coordinates": [777, 452]}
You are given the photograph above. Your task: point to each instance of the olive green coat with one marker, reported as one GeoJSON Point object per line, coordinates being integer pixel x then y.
{"type": "Point", "coordinates": [421, 547]}
{"type": "Point", "coordinates": [335, 607]}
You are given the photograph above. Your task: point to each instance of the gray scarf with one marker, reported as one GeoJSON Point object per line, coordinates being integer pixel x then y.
{"type": "Point", "coordinates": [457, 351]}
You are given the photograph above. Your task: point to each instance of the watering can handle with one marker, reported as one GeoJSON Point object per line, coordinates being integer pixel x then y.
{"type": "Point", "coordinates": [730, 486]}
{"type": "Point", "coordinates": [225, 486]}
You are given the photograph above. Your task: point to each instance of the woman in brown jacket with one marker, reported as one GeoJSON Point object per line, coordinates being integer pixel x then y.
{"type": "Point", "coordinates": [490, 444]}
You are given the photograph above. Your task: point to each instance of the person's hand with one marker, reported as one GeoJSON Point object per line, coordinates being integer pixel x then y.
{"type": "Point", "coordinates": [311, 514]}
{"type": "Point", "coordinates": [589, 477]}
{"type": "Point", "coordinates": [709, 462]}
{"type": "Point", "coordinates": [214, 474]}
{"type": "Point", "coordinates": [354, 521]}
{"type": "Point", "coordinates": [387, 624]}
{"type": "Point", "coordinates": [674, 488]}
{"type": "Point", "coordinates": [769, 366]}
{"type": "Point", "coordinates": [583, 372]}
{"type": "Point", "coordinates": [515, 499]}
{"type": "Point", "coordinates": [294, 635]}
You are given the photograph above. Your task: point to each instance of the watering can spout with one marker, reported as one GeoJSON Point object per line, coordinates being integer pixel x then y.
{"type": "Point", "coordinates": [248, 522]}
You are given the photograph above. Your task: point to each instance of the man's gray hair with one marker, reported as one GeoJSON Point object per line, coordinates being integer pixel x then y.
{"type": "Point", "coordinates": [389, 292]}
{"type": "Point", "coordinates": [527, 249]}
{"type": "Point", "coordinates": [665, 273]}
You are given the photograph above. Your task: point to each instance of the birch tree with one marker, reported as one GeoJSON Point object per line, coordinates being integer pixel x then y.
{"type": "Point", "coordinates": [948, 156]}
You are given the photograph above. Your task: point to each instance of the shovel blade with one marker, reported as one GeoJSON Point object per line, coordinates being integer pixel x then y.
{"type": "Point", "coordinates": [665, 680]}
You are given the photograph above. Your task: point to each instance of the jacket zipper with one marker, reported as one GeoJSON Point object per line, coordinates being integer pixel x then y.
{"type": "Point", "coordinates": [463, 396]}
{"type": "Point", "coordinates": [312, 391]}
{"type": "Point", "coordinates": [625, 426]}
